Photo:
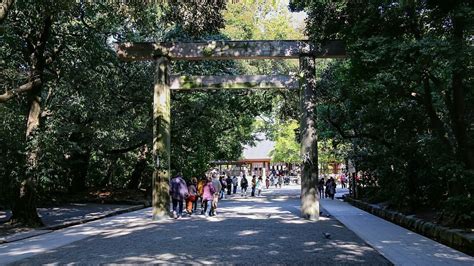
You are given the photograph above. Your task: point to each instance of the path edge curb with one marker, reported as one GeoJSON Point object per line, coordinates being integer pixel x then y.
{"type": "Point", "coordinates": [453, 238]}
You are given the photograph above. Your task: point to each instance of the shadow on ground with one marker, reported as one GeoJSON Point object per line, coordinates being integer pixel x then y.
{"type": "Point", "coordinates": [56, 216]}
{"type": "Point", "coordinates": [246, 231]}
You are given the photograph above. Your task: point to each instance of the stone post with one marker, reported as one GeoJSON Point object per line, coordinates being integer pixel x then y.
{"type": "Point", "coordinates": [309, 145]}
{"type": "Point", "coordinates": [161, 140]}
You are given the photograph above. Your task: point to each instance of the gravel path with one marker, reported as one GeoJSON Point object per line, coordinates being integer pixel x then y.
{"type": "Point", "coordinates": [246, 231]}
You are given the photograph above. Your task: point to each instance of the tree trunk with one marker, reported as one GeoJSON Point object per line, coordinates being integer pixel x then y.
{"type": "Point", "coordinates": [5, 6]}
{"type": "Point", "coordinates": [107, 180]}
{"type": "Point", "coordinates": [79, 164]}
{"type": "Point", "coordinates": [435, 122]}
{"type": "Point", "coordinates": [24, 210]}
{"type": "Point", "coordinates": [140, 166]}
{"type": "Point", "coordinates": [458, 110]}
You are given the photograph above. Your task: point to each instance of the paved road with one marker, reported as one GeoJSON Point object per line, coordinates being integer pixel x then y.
{"type": "Point", "coordinates": [253, 230]}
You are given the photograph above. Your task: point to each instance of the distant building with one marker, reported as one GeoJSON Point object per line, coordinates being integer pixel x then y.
{"type": "Point", "coordinates": [255, 160]}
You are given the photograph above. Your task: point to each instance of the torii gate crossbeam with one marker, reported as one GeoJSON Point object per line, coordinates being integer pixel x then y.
{"type": "Point", "coordinates": [162, 52]}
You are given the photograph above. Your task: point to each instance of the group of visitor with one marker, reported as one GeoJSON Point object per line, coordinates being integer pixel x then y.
{"type": "Point", "coordinates": [210, 189]}
{"type": "Point", "coordinates": [327, 189]}
{"type": "Point", "coordinates": [228, 185]}
{"type": "Point", "coordinates": [207, 191]}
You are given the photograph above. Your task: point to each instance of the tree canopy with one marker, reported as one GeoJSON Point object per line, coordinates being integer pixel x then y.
{"type": "Point", "coordinates": [75, 117]}
{"type": "Point", "coordinates": [400, 106]}
{"type": "Point", "coordinates": [402, 101]}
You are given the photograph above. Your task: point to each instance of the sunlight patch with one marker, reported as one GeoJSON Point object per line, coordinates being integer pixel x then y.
{"type": "Point", "coordinates": [248, 232]}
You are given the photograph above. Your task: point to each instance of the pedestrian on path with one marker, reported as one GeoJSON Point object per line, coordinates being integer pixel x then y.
{"type": "Point", "coordinates": [178, 192]}
{"type": "Point", "coordinates": [259, 186]}
{"type": "Point", "coordinates": [200, 189]}
{"type": "Point", "coordinates": [218, 187]}
{"type": "Point", "coordinates": [244, 184]}
{"type": "Point", "coordinates": [331, 187]}
{"type": "Point", "coordinates": [254, 185]}
{"type": "Point", "coordinates": [207, 195]}
{"type": "Point", "coordinates": [223, 186]}
{"type": "Point", "coordinates": [343, 181]}
{"type": "Point", "coordinates": [280, 180]}
{"type": "Point", "coordinates": [192, 197]}
{"type": "Point", "coordinates": [235, 183]}
{"type": "Point", "coordinates": [321, 188]}
{"type": "Point", "coordinates": [229, 185]}
{"type": "Point", "coordinates": [267, 182]}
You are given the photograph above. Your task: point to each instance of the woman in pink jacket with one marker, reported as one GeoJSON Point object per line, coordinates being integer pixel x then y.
{"type": "Point", "coordinates": [207, 195]}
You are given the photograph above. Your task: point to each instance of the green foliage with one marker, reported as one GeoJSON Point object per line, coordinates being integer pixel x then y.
{"type": "Point", "coordinates": [95, 128]}
{"type": "Point", "coordinates": [286, 149]}
{"type": "Point", "coordinates": [196, 18]}
{"type": "Point", "coordinates": [262, 20]}
{"type": "Point", "coordinates": [402, 100]}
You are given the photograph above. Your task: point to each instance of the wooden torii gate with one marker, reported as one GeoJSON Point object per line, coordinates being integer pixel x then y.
{"type": "Point", "coordinates": [163, 52]}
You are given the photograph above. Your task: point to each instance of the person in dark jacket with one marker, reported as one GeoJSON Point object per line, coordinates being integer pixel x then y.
{"type": "Point", "coordinates": [321, 188]}
{"type": "Point", "coordinates": [331, 188]}
{"type": "Point", "coordinates": [178, 192]}
{"type": "Point", "coordinates": [244, 184]}
{"type": "Point", "coordinates": [229, 185]}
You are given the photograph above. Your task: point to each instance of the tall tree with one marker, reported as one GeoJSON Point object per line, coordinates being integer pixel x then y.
{"type": "Point", "coordinates": [402, 99]}
{"type": "Point", "coordinates": [45, 42]}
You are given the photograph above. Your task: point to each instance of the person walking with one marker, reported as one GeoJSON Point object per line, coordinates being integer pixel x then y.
{"type": "Point", "coordinates": [244, 184]}
{"type": "Point", "coordinates": [208, 192]}
{"type": "Point", "coordinates": [178, 192]}
{"type": "Point", "coordinates": [267, 182]}
{"type": "Point", "coordinates": [229, 185]}
{"type": "Point", "coordinates": [254, 185]}
{"type": "Point", "coordinates": [331, 188]}
{"type": "Point", "coordinates": [321, 188]}
{"type": "Point", "coordinates": [218, 187]}
{"type": "Point", "coordinates": [343, 181]}
{"type": "Point", "coordinates": [223, 186]}
{"type": "Point", "coordinates": [191, 200]}
{"type": "Point", "coordinates": [235, 183]}
{"type": "Point", "coordinates": [200, 189]}
{"type": "Point", "coordinates": [259, 186]}
{"type": "Point", "coordinates": [280, 180]}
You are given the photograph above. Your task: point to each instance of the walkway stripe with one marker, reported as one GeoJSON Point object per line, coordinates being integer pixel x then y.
{"type": "Point", "coordinates": [399, 245]}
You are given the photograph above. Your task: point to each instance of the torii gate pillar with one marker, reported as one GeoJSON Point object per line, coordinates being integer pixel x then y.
{"type": "Point", "coordinates": [309, 140]}
{"type": "Point", "coordinates": [161, 140]}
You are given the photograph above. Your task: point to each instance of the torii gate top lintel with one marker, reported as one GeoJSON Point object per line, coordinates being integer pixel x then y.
{"type": "Point", "coordinates": [227, 50]}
